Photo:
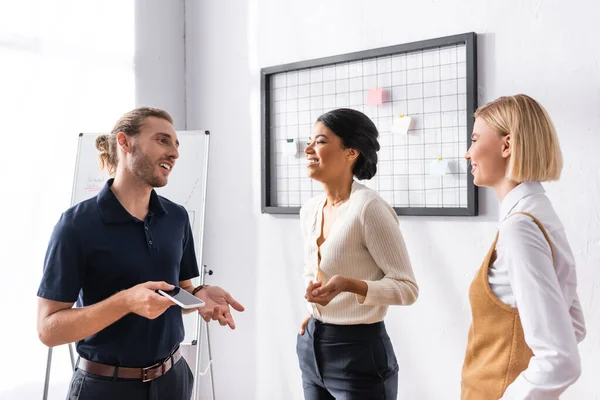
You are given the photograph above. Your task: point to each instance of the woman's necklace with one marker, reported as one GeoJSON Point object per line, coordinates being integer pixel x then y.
{"type": "Point", "coordinates": [340, 200]}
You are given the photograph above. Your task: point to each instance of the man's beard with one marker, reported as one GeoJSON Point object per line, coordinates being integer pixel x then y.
{"type": "Point", "coordinates": [143, 167]}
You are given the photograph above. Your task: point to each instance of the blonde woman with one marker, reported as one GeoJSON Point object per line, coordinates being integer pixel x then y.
{"type": "Point", "coordinates": [526, 315]}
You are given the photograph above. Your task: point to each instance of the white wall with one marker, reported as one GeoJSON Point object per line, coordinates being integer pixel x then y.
{"type": "Point", "coordinates": [65, 67]}
{"type": "Point", "coordinates": [218, 87]}
{"type": "Point", "coordinates": [524, 46]}
{"type": "Point", "coordinates": [69, 66]}
{"type": "Point", "coordinates": [159, 61]}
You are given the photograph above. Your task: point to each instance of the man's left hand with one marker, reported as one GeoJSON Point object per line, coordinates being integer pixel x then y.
{"type": "Point", "coordinates": [217, 305]}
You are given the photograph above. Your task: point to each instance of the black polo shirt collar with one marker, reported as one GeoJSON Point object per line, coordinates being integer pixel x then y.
{"type": "Point", "coordinates": [112, 210]}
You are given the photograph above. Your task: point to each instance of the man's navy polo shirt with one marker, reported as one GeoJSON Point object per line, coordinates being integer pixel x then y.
{"type": "Point", "coordinates": [98, 249]}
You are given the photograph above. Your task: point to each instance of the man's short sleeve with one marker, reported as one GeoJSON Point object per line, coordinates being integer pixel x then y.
{"type": "Point", "coordinates": [64, 266]}
{"type": "Point", "coordinates": [188, 268]}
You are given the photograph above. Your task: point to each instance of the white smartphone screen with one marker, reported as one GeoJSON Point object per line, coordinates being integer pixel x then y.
{"type": "Point", "coordinates": [182, 297]}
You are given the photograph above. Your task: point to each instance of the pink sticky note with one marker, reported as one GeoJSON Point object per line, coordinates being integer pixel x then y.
{"type": "Point", "coordinates": [375, 96]}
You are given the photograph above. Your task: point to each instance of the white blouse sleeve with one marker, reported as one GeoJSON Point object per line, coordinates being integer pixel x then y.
{"type": "Point", "coordinates": [545, 318]}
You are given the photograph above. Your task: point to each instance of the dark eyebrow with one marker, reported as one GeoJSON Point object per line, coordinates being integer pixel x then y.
{"type": "Point", "coordinates": [167, 136]}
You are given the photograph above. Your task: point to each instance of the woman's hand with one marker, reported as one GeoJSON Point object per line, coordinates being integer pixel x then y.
{"type": "Point", "coordinates": [303, 325]}
{"type": "Point", "coordinates": [316, 293]}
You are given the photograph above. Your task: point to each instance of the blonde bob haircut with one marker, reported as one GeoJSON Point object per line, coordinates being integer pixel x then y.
{"type": "Point", "coordinates": [535, 150]}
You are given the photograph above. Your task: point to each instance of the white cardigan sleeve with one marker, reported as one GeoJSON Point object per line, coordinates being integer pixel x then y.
{"type": "Point", "coordinates": [385, 243]}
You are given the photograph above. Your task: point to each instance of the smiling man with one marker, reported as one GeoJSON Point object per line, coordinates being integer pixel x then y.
{"type": "Point", "coordinates": [110, 254]}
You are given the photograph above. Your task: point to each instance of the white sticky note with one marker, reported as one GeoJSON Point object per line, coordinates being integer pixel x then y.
{"type": "Point", "coordinates": [401, 125]}
{"type": "Point", "coordinates": [439, 167]}
{"type": "Point", "coordinates": [291, 147]}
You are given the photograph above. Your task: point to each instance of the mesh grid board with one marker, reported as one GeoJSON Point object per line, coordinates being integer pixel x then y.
{"type": "Point", "coordinates": [421, 97]}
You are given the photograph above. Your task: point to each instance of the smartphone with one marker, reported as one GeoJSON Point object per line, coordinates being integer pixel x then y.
{"type": "Point", "coordinates": [181, 297]}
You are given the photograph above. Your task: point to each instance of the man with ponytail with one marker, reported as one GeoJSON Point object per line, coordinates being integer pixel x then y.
{"type": "Point", "coordinates": [110, 254]}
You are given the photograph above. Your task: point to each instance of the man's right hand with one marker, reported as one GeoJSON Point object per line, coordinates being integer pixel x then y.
{"type": "Point", "coordinates": [61, 323]}
{"type": "Point", "coordinates": [144, 301]}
